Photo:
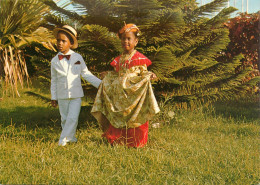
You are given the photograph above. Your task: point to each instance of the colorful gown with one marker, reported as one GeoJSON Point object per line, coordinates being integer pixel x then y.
{"type": "Point", "coordinates": [125, 101]}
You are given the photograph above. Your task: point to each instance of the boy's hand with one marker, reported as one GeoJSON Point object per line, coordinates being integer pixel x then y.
{"type": "Point", "coordinates": [54, 103]}
{"type": "Point", "coordinates": [103, 74]}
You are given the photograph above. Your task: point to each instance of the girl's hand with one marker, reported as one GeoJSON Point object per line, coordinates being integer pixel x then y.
{"type": "Point", "coordinates": [103, 74]}
{"type": "Point", "coordinates": [54, 103]}
{"type": "Point", "coordinates": [153, 76]}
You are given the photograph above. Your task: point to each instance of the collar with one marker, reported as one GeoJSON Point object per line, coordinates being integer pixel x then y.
{"type": "Point", "coordinates": [68, 53]}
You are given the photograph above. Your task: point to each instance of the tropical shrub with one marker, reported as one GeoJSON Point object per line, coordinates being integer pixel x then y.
{"type": "Point", "coordinates": [183, 43]}
{"type": "Point", "coordinates": [19, 25]}
{"type": "Point", "coordinates": [244, 36]}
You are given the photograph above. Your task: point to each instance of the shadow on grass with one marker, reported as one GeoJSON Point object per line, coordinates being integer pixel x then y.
{"type": "Point", "coordinates": [54, 115]}
{"type": "Point", "coordinates": [40, 117]}
{"type": "Point", "coordinates": [38, 96]}
{"type": "Point", "coordinates": [39, 123]}
{"type": "Point", "coordinates": [243, 110]}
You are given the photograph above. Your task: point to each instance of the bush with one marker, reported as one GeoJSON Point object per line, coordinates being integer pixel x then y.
{"type": "Point", "coordinates": [244, 37]}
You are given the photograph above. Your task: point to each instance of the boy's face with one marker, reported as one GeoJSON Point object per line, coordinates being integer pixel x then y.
{"type": "Point", "coordinates": [128, 41]}
{"type": "Point", "coordinates": [63, 43]}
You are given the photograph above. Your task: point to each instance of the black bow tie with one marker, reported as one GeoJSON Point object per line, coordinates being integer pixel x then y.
{"type": "Point", "coordinates": [62, 56]}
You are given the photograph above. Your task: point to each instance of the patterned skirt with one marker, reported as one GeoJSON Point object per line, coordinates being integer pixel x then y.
{"type": "Point", "coordinates": [123, 106]}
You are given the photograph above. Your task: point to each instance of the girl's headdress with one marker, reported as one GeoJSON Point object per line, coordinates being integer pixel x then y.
{"type": "Point", "coordinates": [129, 28]}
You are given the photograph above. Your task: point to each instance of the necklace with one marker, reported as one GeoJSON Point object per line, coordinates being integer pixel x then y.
{"type": "Point", "coordinates": [124, 61]}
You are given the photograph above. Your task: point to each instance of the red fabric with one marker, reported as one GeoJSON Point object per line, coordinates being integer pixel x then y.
{"type": "Point", "coordinates": [132, 137]}
{"type": "Point", "coordinates": [137, 59]}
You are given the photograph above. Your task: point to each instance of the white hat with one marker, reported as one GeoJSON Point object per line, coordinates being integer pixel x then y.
{"type": "Point", "coordinates": [71, 31]}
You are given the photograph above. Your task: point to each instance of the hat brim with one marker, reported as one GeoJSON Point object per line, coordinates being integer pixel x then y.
{"type": "Point", "coordinates": [56, 31]}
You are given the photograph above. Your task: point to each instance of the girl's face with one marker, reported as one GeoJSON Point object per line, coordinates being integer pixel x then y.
{"type": "Point", "coordinates": [63, 43]}
{"type": "Point", "coordinates": [128, 41]}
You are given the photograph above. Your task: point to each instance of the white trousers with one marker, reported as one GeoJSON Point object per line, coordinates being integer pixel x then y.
{"type": "Point", "coordinates": [69, 111]}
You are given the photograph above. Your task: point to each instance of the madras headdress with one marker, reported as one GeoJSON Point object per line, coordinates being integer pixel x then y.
{"type": "Point", "coordinates": [128, 28]}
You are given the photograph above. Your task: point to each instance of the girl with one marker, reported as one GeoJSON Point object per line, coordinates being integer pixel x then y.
{"type": "Point", "coordinates": [125, 100]}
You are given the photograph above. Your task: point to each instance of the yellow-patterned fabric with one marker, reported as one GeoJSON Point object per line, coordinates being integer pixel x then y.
{"type": "Point", "coordinates": [125, 99]}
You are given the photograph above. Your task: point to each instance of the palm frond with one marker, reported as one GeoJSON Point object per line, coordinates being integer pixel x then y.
{"type": "Point", "coordinates": [18, 20]}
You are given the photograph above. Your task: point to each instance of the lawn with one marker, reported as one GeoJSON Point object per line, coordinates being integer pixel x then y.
{"type": "Point", "coordinates": [214, 145]}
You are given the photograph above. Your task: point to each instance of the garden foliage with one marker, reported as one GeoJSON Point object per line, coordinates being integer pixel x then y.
{"type": "Point", "coordinates": [185, 45]}
{"type": "Point", "coordinates": [244, 36]}
{"type": "Point", "coordinates": [19, 25]}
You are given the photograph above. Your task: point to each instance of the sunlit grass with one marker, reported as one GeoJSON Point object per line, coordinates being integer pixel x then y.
{"type": "Point", "coordinates": [218, 145]}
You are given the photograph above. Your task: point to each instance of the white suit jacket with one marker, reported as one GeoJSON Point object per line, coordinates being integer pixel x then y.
{"type": "Point", "coordinates": [66, 81]}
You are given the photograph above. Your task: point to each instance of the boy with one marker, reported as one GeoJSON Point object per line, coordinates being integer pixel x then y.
{"type": "Point", "coordinates": [66, 69]}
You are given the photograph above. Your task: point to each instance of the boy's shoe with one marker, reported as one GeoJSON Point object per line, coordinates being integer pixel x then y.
{"type": "Point", "coordinates": [63, 142]}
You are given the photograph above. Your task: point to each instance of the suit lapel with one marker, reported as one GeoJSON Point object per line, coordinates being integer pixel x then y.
{"type": "Point", "coordinates": [69, 63]}
{"type": "Point", "coordinates": [59, 67]}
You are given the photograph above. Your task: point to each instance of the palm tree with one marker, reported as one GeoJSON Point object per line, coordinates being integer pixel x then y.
{"type": "Point", "coordinates": [19, 24]}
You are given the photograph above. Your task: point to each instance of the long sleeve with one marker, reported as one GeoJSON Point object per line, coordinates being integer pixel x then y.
{"type": "Point", "coordinates": [53, 83]}
{"type": "Point", "coordinates": [87, 75]}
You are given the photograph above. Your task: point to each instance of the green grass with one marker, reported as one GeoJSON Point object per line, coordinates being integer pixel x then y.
{"type": "Point", "coordinates": [217, 145]}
